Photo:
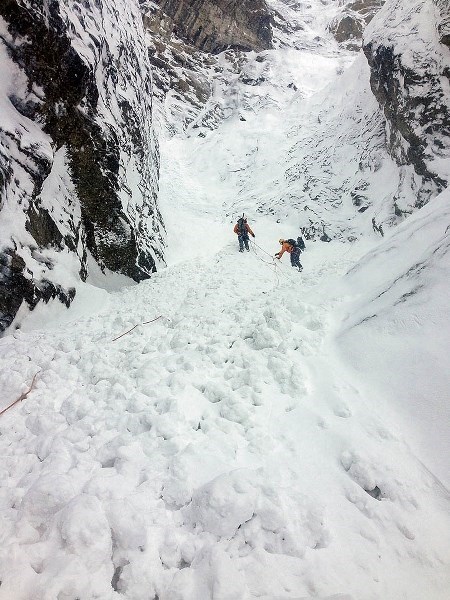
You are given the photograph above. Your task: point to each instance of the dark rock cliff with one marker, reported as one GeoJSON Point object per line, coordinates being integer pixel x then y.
{"type": "Point", "coordinates": [443, 7]}
{"type": "Point", "coordinates": [215, 25]}
{"type": "Point", "coordinates": [78, 158]}
{"type": "Point", "coordinates": [410, 78]}
{"type": "Point", "coordinates": [348, 26]}
{"type": "Point", "coordinates": [195, 46]}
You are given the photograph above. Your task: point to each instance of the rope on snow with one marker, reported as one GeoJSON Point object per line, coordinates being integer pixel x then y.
{"type": "Point", "coordinates": [22, 396]}
{"type": "Point", "coordinates": [137, 325]}
{"type": "Point", "coordinates": [277, 267]}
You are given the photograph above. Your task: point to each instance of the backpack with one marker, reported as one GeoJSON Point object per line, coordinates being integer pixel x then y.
{"type": "Point", "coordinates": [241, 226]}
{"type": "Point", "coordinates": [298, 245]}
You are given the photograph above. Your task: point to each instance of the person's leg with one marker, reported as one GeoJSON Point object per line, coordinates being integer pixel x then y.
{"type": "Point", "coordinates": [241, 243]}
{"type": "Point", "coordinates": [295, 260]}
{"type": "Point", "coordinates": [292, 255]}
{"type": "Point", "coordinates": [246, 243]}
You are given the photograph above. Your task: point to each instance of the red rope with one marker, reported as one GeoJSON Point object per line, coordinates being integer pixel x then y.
{"type": "Point", "coordinates": [21, 397]}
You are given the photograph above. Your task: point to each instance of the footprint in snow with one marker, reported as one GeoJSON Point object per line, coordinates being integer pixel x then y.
{"type": "Point", "coordinates": [314, 325]}
{"type": "Point", "coordinates": [343, 411]}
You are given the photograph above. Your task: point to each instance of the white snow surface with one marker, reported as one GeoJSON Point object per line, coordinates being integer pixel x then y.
{"type": "Point", "coordinates": [232, 448]}
{"type": "Point", "coordinates": [267, 433]}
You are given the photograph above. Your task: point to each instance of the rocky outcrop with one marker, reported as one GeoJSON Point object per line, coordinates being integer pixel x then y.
{"type": "Point", "coordinates": [215, 25]}
{"type": "Point", "coordinates": [410, 79]}
{"type": "Point", "coordinates": [78, 158]}
{"type": "Point", "coordinates": [180, 73]}
{"type": "Point", "coordinates": [196, 48]}
{"type": "Point", "coordinates": [348, 26]}
{"type": "Point", "coordinates": [444, 21]}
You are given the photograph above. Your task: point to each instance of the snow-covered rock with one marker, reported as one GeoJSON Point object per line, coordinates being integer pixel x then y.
{"type": "Point", "coordinates": [79, 160]}
{"type": "Point", "coordinates": [410, 78]}
{"type": "Point", "coordinates": [444, 21]}
{"type": "Point", "coordinates": [214, 25]}
{"type": "Point", "coordinates": [349, 24]}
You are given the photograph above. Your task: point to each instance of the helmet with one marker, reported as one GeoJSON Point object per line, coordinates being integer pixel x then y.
{"type": "Point", "coordinates": [281, 241]}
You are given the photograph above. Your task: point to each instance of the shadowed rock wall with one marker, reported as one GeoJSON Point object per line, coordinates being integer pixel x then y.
{"type": "Point", "coordinates": [410, 77]}
{"type": "Point", "coordinates": [444, 21]}
{"type": "Point", "coordinates": [78, 158]}
{"type": "Point", "coordinates": [348, 26]}
{"type": "Point", "coordinates": [214, 25]}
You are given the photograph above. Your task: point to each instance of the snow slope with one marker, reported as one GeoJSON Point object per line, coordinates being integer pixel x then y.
{"type": "Point", "coordinates": [303, 140]}
{"type": "Point", "coordinates": [398, 327]}
{"type": "Point", "coordinates": [222, 451]}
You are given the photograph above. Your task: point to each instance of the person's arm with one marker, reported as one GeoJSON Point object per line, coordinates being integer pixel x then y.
{"type": "Point", "coordinates": [249, 230]}
{"type": "Point", "coordinates": [235, 228]}
{"type": "Point", "coordinates": [281, 252]}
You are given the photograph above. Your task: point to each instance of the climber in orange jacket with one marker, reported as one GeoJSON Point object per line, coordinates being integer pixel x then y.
{"type": "Point", "coordinates": [292, 247]}
{"type": "Point", "coordinates": [242, 229]}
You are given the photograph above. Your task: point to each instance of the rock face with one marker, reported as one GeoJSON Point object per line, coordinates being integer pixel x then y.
{"type": "Point", "coordinates": [187, 40]}
{"type": "Point", "coordinates": [78, 158]}
{"type": "Point", "coordinates": [348, 26]}
{"type": "Point", "coordinates": [215, 25]}
{"type": "Point", "coordinates": [444, 21]}
{"type": "Point", "coordinates": [410, 78]}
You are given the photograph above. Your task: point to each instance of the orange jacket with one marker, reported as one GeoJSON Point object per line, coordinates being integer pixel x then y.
{"type": "Point", "coordinates": [247, 227]}
{"type": "Point", "coordinates": [286, 247]}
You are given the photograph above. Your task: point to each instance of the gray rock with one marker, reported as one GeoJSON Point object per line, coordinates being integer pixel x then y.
{"type": "Point", "coordinates": [80, 162]}
{"type": "Point", "coordinates": [215, 25]}
{"type": "Point", "coordinates": [409, 78]}
{"type": "Point", "coordinates": [444, 21]}
{"type": "Point", "coordinates": [348, 26]}
{"type": "Point", "coordinates": [185, 39]}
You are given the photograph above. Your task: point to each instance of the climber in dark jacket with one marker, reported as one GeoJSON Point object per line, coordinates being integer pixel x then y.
{"type": "Point", "coordinates": [242, 229]}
